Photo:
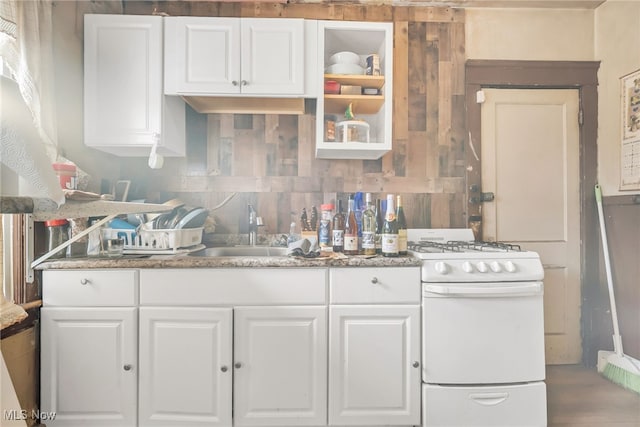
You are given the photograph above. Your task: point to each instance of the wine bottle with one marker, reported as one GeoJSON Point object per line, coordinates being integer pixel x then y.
{"type": "Point", "coordinates": [379, 224]}
{"type": "Point", "coordinates": [390, 230]}
{"type": "Point", "coordinates": [351, 229]}
{"type": "Point", "coordinates": [368, 228]}
{"type": "Point", "coordinates": [402, 227]}
{"type": "Point", "coordinates": [338, 229]}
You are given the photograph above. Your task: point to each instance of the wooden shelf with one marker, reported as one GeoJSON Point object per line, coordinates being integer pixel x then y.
{"type": "Point", "coordinates": [362, 104]}
{"type": "Point", "coordinates": [357, 80]}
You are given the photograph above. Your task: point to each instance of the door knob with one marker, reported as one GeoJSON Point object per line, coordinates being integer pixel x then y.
{"type": "Point", "coordinates": [234, 82]}
{"type": "Point", "coordinates": [374, 280]}
{"type": "Point", "coordinates": [84, 281]}
{"type": "Point", "coordinates": [224, 368]}
{"type": "Point", "coordinates": [244, 83]}
{"type": "Point", "coordinates": [127, 367]}
{"type": "Point", "coordinates": [238, 365]}
{"type": "Point", "coordinates": [416, 364]}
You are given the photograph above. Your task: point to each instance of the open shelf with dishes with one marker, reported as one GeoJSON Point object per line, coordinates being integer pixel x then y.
{"type": "Point", "coordinates": [353, 113]}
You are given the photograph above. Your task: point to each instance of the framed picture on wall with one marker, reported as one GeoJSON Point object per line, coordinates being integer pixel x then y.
{"type": "Point", "coordinates": [630, 146]}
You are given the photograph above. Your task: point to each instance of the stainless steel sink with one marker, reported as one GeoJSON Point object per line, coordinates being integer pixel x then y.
{"type": "Point", "coordinates": [252, 251]}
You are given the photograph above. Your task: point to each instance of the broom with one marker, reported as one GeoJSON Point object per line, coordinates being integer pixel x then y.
{"type": "Point", "coordinates": [615, 366]}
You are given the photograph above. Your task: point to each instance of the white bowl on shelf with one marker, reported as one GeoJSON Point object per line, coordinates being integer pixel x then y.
{"type": "Point", "coordinates": [345, 58]}
{"type": "Point", "coordinates": [344, 69]}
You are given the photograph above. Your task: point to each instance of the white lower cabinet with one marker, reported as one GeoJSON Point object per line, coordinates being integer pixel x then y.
{"type": "Point", "coordinates": [185, 372]}
{"type": "Point", "coordinates": [231, 347]}
{"type": "Point", "coordinates": [374, 359]}
{"type": "Point", "coordinates": [89, 365]}
{"type": "Point", "coordinates": [280, 366]}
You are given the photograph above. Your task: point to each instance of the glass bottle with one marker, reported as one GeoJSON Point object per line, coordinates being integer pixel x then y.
{"type": "Point", "coordinates": [368, 228]}
{"type": "Point", "coordinates": [379, 224]}
{"type": "Point", "coordinates": [390, 230]}
{"type": "Point", "coordinates": [402, 227]}
{"type": "Point", "coordinates": [351, 229]}
{"type": "Point", "coordinates": [338, 229]}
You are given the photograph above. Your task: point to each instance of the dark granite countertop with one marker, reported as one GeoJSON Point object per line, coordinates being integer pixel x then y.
{"type": "Point", "coordinates": [187, 261]}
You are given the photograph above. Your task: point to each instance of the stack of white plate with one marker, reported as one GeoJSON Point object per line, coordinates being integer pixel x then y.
{"type": "Point", "coordinates": [345, 63]}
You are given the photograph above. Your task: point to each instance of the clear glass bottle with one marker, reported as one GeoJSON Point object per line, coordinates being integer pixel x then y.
{"type": "Point", "coordinates": [351, 229]}
{"type": "Point", "coordinates": [402, 227]}
{"type": "Point", "coordinates": [390, 230]}
{"type": "Point", "coordinates": [338, 229]}
{"type": "Point", "coordinates": [368, 228]}
{"type": "Point", "coordinates": [379, 224]}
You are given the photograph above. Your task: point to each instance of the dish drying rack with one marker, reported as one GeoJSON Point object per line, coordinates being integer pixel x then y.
{"type": "Point", "coordinates": [157, 241]}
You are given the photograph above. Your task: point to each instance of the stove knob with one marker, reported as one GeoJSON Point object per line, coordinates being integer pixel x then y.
{"type": "Point", "coordinates": [496, 267]}
{"type": "Point", "coordinates": [482, 267]}
{"type": "Point", "coordinates": [467, 267]}
{"type": "Point", "coordinates": [441, 267]}
{"type": "Point", "coordinates": [510, 267]}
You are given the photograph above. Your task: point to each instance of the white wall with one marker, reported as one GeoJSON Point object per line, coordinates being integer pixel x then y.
{"type": "Point", "coordinates": [530, 34]}
{"type": "Point", "coordinates": [617, 46]}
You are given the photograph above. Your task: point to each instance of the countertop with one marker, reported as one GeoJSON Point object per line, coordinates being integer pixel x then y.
{"type": "Point", "coordinates": [187, 261]}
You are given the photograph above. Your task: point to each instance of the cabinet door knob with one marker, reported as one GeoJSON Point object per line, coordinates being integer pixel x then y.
{"type": "Point", "coordinates": [234, 82]}
{"type": "Point", "coordinates": [127, 367]}
{"type": "Point", "coordinates": [374, 280]}
{"type": "Point", "coordinates": [238, 365]}
{"type": "Point", "coordinates": [84, 281]}
{"type": "Point", "coordinates": [224, 368]}
{"type": "Point", "coordinates": [416, 364]}
{"type": "Point", "coordinates": [244, 83]}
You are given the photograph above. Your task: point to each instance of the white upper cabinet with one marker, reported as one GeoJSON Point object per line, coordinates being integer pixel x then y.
{"type": "Point", "coordinates": [125, 110]}
{"type": "Point", "coordinates": [370, 137]}
{"type": "Point", "coordinates": [234, 56]}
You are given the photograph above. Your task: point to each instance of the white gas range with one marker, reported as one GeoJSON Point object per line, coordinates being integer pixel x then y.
{"type": "Point", "coordinates": [482, 331]}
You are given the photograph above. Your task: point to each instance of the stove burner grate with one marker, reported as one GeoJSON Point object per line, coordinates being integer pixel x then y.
{"type": "Point", "coordinates": [462, 246]}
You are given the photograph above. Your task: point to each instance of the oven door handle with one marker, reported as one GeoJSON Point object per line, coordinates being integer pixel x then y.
{"type": "Point", "coordinates": [479, 290]}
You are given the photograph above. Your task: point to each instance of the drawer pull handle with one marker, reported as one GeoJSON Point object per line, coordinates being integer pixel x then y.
{"type": "Point", "coordinates": [374, 280]}
{"type": "Point", "coordinates": [127, 367]}
{"type": "Point", "coordinates": [238, 365]}
{"type": "Point", "coordinates": [416, 364]}
{"type": "Point", "coordinates": [84, 281]}
{"type": "Point", "coordinates": [224, 368]}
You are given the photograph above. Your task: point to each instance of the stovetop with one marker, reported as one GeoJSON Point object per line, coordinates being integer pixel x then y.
{"type": "Point", "coordinates": [451, 255]}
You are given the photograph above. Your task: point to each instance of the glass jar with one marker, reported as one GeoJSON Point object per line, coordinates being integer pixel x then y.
{"type": "Point", "coordinates": [58, 232]}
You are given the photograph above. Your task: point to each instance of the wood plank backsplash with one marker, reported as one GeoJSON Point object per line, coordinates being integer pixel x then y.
{"type": "Point", "coordinates": [269, 160]}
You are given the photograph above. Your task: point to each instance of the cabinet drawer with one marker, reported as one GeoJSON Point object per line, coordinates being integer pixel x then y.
{"type": "Point", "coordinates": [100, 288]}
{"type": "Point", "coordinates": [235, 286]}
{"type": "Point", "coordinates": [383, 285]}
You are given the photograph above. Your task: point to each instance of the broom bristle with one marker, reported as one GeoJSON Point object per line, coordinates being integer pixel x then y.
{"type": "Point", "coordinates": [622, 377]}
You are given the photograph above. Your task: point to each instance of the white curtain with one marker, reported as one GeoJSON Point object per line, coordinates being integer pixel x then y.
{"type": "Point", "coordinates": [26, 51]}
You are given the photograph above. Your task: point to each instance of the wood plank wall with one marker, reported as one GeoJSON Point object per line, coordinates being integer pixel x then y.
{"type": "Point", "coordinates": [269, 159]}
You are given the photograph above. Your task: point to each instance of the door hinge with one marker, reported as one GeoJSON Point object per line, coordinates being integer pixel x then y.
{"type": "Point", "coordinates": [580, 117]}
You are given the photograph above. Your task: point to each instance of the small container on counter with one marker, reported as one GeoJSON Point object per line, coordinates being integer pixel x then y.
{"type": "Point", "coordinates": [58, 232]}
{"type": "Point", "coordinates": [66, 175]}
{"type": "Point", "coordinates": [324, 231]}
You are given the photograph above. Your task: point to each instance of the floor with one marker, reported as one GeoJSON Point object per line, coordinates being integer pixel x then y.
{"type": "Point", "coordinates": [580, 397]}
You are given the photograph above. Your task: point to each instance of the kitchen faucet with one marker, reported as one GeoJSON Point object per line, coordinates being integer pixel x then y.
{"type": "Point", "coordinates": [254, 222]}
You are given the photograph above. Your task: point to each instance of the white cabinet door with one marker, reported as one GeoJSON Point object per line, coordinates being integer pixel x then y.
{"type": "Point", "coordinates": [89, 366]}
{"type": "Point", "coordinates": [185, 366]}
{"type": "Point", "coordinates": [123, 95]}
{"type": "Point", "coordinates": [374, 359]}
{"type": "Point", "coordinates": [202, 55]}
{"type": "Point", "coordinates": [272, 56]}
{"type": "Point", "coordinates": [280, 366]}
{"type": "Point", "coordinates": [205, 56]}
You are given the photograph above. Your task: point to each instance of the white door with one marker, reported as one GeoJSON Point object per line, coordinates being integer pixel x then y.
{"type": "Point", "coordinates": [122, 80]}
{"type": "Point", "coordinates": [89, 366]}
{"type": "Point", "coordinates": [280, 366]}
{"type": "Point", "coordinates": [202, 55]}
{"type": "Point", "coordinates": [272, 56]}
{"type": "Point", "coordinates": [530, 160]}
{"type": "Point", "coordinates": [374, 359]}
{"type": "Point", "coordinates": [185, 366]}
